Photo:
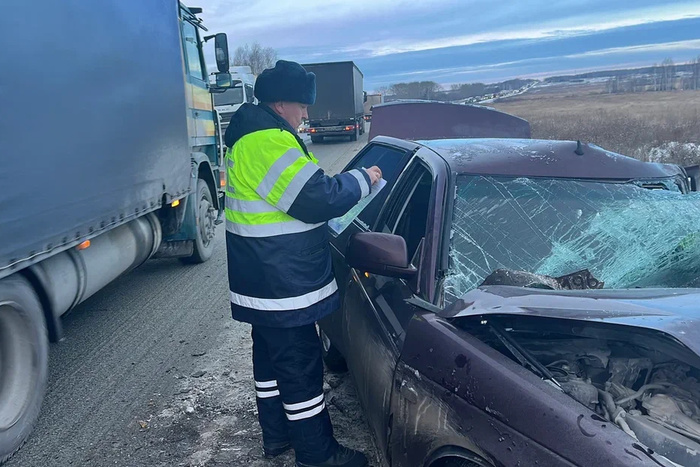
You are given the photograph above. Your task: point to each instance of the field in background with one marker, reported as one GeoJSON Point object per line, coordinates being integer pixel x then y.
{"type": "Point", "coordinates": [651, 126]}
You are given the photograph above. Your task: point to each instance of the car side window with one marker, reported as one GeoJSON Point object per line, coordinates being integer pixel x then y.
{"type": "Point", "coordinates": [385, 157]}
{"type": "Point", "coordinates": [407, 216]}
{"type": "Point", "coordinates": [390, 160]}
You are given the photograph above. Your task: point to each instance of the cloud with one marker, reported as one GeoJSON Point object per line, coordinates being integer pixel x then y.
{"type": "Point", "coordinates": [667, 47]}
{"type": "Point", "coordinates": [574, 26]}
{"type": "Point", "coordinates": [448, 40]}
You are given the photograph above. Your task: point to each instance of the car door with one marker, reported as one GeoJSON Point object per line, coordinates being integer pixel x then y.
{"type": "Point", "coordinates": [391, 159]}
{"type": "Point", "coordinates": [375, 311]}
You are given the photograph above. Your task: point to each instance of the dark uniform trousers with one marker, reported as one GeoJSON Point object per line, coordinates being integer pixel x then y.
{"type": "Point", "coordinates": [288, 372]}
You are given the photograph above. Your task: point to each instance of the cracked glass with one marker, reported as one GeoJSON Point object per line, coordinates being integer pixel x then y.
{"type": "Point", "coordinates": [636, 234]}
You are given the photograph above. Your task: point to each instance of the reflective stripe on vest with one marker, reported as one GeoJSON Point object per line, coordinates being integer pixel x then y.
{"type": "Point", "coordinates": [266, 171]}
{"type": "Point", "coordinates": [270, 229]}
{"type": "Point", "coordinates": [285, 304]}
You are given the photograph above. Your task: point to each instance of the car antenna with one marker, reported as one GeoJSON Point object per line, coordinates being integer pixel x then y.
{"type": "Point", "coordinates": [579, 148]}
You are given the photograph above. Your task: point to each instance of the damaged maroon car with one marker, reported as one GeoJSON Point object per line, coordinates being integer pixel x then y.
{"type": "Point", "coordinates": [522, 302]}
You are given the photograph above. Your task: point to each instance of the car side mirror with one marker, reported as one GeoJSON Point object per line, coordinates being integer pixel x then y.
{"type": "Point", "coordinates": [380, 253]}
{"type": "Point", "coordinates": [221, 52]}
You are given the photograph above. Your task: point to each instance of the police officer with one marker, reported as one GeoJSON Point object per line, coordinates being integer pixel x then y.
{"type": "Point", "coordinates": [279, 264]}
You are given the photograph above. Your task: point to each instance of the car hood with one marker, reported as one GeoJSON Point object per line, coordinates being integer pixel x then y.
{"type": "Point", "coordinates": [675, 312]}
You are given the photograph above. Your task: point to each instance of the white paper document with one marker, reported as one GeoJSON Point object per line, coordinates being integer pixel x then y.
{"type": "Point", "coordinates": [341, 223]}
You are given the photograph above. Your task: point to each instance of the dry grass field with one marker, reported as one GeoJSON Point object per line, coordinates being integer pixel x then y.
{"type": "Point", "coordinates": [652, 126]}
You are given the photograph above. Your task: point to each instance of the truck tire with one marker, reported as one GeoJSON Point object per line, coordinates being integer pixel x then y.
{"type": "Point", "coordinates": [355, 135]}
{"type": "Point", "coordinates": [206, 216]}
{"type": "Point", "coordinates": [334, 360]}
{"type": "Point", "coordinates": [24, 360]}
{"type": "Point", "coordinates": [317, 139]}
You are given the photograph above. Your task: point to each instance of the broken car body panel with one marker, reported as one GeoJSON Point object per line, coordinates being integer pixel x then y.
{"type": "Point", "coordinates": [674, 312]}
{"type": "Point", "coordinates": [505, 409]}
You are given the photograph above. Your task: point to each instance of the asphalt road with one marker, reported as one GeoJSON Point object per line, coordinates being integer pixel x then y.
{"type": "Point", "coordinates": [152, 361]}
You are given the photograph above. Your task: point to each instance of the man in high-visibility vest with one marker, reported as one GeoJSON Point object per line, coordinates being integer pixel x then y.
{"type": "Point", "coordinates": [279, 263]}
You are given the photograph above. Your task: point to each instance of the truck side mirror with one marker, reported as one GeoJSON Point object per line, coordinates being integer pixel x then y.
{"type": "Point", "coordinates": [221, 51]}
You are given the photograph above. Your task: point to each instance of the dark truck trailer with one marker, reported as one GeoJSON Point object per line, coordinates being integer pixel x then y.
{"type": "Point", "coordinates": [339, 108]}
{"type": "Point", "coordinates": [124, 165]}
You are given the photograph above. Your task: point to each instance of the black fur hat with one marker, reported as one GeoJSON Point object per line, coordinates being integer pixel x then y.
{"type": "Point", "coordinates": [288, 82]}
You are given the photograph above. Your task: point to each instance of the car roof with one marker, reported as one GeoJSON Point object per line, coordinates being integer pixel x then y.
{"type": "Point", "coordinates": [543, 158]}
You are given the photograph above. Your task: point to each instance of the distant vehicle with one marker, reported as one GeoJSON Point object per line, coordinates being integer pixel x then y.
{"type": "Point", "coordinates": [339, 109]}
{"type": "Point", "coordinates": [129, 167]}
{"type": "Point", "coordinates": [240, 92]}
{"type": "Point", "coordinates": [513, 301]}
{"type": "Point", "coordinates": [371, 100]}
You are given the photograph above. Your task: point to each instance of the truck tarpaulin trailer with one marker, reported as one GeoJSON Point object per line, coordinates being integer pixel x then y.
{"type": "Point", "coordinates": [124, 165]}
{"type": "Point", "coordinates": [339, 108]}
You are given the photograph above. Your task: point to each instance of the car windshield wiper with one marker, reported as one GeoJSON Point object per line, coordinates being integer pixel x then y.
{"type": "Point", "coordinates": [523, 356]}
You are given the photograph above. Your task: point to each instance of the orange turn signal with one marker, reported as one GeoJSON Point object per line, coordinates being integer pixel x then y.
{"type": "Point", "coordinates": [175, 203]}
{"type": "Point", "coordinates": [84, 246]}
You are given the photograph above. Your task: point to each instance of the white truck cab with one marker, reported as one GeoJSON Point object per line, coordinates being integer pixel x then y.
{"type": "Point", "coordinates": [240, 92]}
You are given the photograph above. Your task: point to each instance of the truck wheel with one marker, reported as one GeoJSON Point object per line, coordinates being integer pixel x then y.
{"type": "Point", "coordinates": [334, 360]}
{"type": "Point", "coordinates": [354, 135]}
{"type": "Point", "coordinates": [24, 352]}
{"type": "Point", "coordinates": [206, 228]}
{"type": "Point", "coordinates": [316, 139]}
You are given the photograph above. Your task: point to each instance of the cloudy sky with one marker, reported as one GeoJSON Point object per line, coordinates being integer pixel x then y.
{"type": "Point", "coordinates": [454, 41]}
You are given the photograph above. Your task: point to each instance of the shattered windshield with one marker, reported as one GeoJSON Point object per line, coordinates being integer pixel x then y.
{"type": "Point", "coordinates": [626, 234]}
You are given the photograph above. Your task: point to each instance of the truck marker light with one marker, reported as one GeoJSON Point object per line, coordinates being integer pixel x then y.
{"type": "Point", "coordinates": [175, 203]}
{"type": "Point", "coordinates": [222, 178]}
{"type": "Point", "coordinates": [83, 246]}
{"type": "Point", "coordinates": [367, 275]}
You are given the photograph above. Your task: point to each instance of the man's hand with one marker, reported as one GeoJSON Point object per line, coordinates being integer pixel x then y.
{"type": "Point", "coordinates": [375, 173]}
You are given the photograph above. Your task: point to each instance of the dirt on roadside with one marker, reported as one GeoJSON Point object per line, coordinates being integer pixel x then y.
{"type": "Point", "coordinates": [212, 419]}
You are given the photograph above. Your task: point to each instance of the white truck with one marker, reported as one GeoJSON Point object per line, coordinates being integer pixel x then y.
{"type": "Point", "coordinates": [241, 92]}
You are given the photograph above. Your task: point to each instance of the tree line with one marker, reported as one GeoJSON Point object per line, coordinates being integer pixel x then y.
{"type": "Point", "coordinates": [666, 76]}
{"type": "Point", "coordinates": [431, 90]}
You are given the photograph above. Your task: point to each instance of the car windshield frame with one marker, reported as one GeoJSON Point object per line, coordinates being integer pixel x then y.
{"type": "Point", "coordinates": [602, 210]}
